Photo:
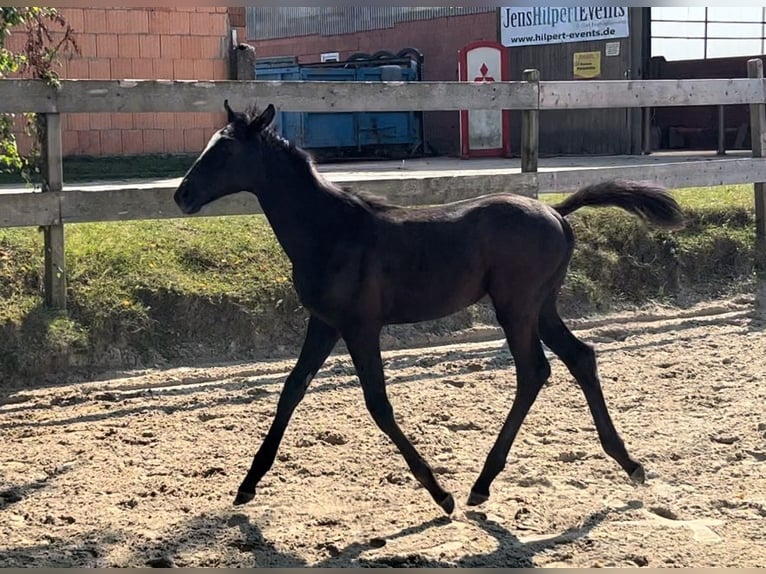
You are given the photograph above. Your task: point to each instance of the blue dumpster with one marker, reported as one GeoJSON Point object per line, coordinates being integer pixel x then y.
{"type": "Point", "coordinates": [350, 134]}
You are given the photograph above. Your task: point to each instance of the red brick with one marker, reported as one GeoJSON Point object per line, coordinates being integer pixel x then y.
{"type": "Point", "coordinates": [154, 141]}
{"type": "Point", "coordinates": [78, 122]}
{"type": "Point", "coordinates": [128, 45]}
{"type": "Point", "coordinates": [143, 69]}
{"type": "Point", "coordinates": [69, 143]}
{"type": "Point", "coordinates": [170, 47]}
{"type": "Point", "coordinates": [164, 120]}
{"type": "Point", "coordinates": [203, 69]}
{"type": "Point", "coordinates": [183, 69]}
{"type": "Point", "coordinates": [94, 20]}
{"type": "Point", "coordinates": [194, 139]}
{"type": "Point", "coordinates": [100, 69]}
{"type": "Point", "coordinates": [202, 47]}
{"type": "Point", "coordinates": [183, 120]}
{"type": "Point", "coordinates": [111, 142]}
{"type": "Point", "coordinates": [174, 141]}
{"type": "Point", "coordinates": [87, 45]}
{"type": "Point", "coordinates": [191, 48]}
{"type": "Point", "coordinates": [203, 24]}
{"type": "Point", "coordinates": [237, 16]}
{"type": "Point", "coordinates": [78, 69]}
{"type": "Point", "coordinates": [144, 120]}
{"type": "Point", "coordinates": [132, 142]}
{"type": "Point", "coordinates": [138, 20]}
{"type": "Point", "coordinates": [168, 23]}
{"type": "Point", "coordinates": [219, 47]}
{"type": "Point", "coordinates": [100, 121]}
{"type": "Point", "coordinates": [89, 142]}
{"type": "Point", "coordinates": [122, 68]}
{"type": "Point", "coordinates": [75, 17]}
{"type": "Point", "coordinates": [221, 70]}
{"type": "Point", "coordinates": [149, 46]}
{"type": "Point", "coordinates": [122, 121]}
{"type": "Point", "coordinates": [106, 46]}
{"type": "Point", "coordinates": [163, 69]}
{"type": "Point", "coordinates": [201, 120]}
{"type": "Point", "coordinates": [117, 21]}
{"type": "Point", "coordinates": [216, 120]}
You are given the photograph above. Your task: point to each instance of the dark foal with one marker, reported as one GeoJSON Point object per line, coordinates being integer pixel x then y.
{"type": "Point", "coordinates": [360, 263]}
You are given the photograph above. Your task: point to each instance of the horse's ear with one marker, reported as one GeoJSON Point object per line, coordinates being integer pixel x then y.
{"type": "Point", "coordinates": [264, 119]}
{"type": "Point", "coordinates": [232, 115]}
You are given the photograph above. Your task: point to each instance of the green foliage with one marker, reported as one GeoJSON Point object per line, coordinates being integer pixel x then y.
{"type": "Point", "coordinates": [46, 35]}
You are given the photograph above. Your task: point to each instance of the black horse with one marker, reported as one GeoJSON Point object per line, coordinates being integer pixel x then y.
{"type": "Point", "coordinates": [360, 263]}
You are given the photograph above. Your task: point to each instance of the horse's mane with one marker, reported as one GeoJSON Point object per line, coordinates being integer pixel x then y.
{"type": "Point", "coordinates": [370, 201]}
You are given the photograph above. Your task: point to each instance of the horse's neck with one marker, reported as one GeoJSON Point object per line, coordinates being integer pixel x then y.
{"type": "Point", "coordinates": [299, 216]}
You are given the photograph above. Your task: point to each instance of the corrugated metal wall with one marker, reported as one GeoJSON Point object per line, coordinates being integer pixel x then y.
{"type": "Point", "coordinates": [264, 23]}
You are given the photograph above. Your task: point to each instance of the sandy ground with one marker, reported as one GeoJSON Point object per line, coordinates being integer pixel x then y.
{"type": "Point", "coordinates": [142, 470]}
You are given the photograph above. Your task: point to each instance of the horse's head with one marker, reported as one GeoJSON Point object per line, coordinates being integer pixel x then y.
{"type": "Point", "coordinates": [226, 165]}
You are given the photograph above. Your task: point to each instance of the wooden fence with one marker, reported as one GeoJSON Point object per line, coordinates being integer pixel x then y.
{"type": "Point", "coordinates": [54, 207]}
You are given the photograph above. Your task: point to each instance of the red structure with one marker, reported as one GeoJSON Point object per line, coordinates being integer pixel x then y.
{"type": "Point", "coordinates": [484, 133]}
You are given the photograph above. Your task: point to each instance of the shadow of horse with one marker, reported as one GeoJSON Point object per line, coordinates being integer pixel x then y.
{"type": "Point", "coordinates": [510, 551]}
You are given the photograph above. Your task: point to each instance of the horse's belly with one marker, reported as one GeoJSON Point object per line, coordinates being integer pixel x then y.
{"type": "Point", "coordinates": [432, 300]}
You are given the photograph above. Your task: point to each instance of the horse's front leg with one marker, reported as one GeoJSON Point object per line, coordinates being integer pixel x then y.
{"type": "Point", "coordinates": [364, 347]}
{"type": "Point", "coordinates": [319, 342]}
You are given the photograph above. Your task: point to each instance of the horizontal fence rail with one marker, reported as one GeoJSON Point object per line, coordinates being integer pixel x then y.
{"type": "Point", "coordinates": [90, 96]}
{"type": "Point", "coordinates": [55, 207]}
{"type": "Point", "coordinates": [130, 203]}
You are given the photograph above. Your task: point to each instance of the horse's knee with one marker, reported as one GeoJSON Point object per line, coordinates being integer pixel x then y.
{"type": "Point", "coordinates": [585, 359]}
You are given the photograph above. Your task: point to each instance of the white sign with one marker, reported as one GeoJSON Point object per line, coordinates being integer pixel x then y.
{"type": "Point", "coordinates": [612, 49]}
{"type": "Point", "coordinates": [528, 26]}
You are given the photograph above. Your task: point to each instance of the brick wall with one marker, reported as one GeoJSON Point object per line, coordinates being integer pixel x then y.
{"type": "Point", "coordinates": [189, 43]}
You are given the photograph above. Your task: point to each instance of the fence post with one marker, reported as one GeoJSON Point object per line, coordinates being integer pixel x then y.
{"type": "Point", "coordinates": [530, 131]}
{"type": "Point", "coordinates": [757, 133]}
{"type": "Point", "coordinates": [646, 131]}
{"type": "Point", "coordinates": [244, 55]}
{"type": "Point", "coordinates": [721, 130]}
{"type": "Point", "coordinates": [55, 264]}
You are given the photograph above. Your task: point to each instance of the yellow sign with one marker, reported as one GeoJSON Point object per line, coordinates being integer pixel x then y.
{"type": "Point", "coordinates": [587, 65]}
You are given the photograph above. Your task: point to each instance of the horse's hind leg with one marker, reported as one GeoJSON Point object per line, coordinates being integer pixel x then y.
{"type": "Point", "coordinates": [319, 342]}
{"type": "Point", "coordinates": [580, 359]}
{"type": "Point", "coordinates": [532, 370]}
{"type": "Point", "coordinates": [364, 348]}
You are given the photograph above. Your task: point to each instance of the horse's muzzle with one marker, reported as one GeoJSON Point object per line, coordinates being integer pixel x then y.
{"type": "Point", "coordinates": [183, 201]}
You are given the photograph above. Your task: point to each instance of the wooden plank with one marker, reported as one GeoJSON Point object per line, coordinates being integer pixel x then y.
{"type": "Point", "coordinates": [757, 135]}
{"type": "Point", "coordinates": [671, 175]}
{"type": "Point", "coordinates": [124, 204]}
{"type": "Point", "coordinates": [82, 96]}
{"type": "Point", "coordinates": [530, 130]}
{"type": "Point", "coordinates": [28, 209]}
{"type": "Point", "coordinates": [55, 259]}
{"type": "Point", "coordinates": [127, 204]}
{"type": "Point", "coordinates": [649, 93]}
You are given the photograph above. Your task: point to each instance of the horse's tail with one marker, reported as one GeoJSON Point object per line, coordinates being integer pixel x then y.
{"type": "Point", "coordinates": [651, 203]}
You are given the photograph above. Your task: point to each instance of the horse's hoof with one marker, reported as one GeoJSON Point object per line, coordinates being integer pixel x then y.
{"type": "Point", "coordinates": [476, 498]}
{"type": "Point", "coordinates": [638, 476]}
{"type": "Point", "coordinates": [447, 503]}
{"type": "Point", "coordinates": [243, 498]}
